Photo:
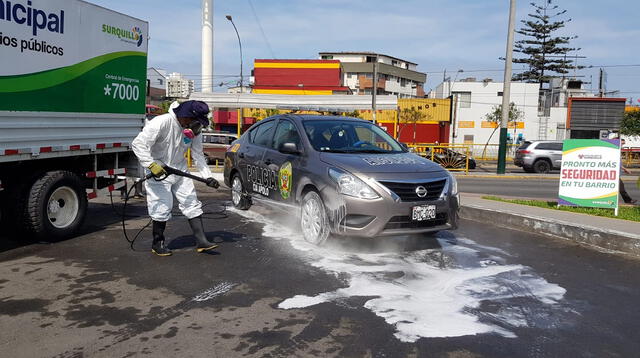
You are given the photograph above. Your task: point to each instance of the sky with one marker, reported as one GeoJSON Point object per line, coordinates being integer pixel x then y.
{"type": "Point", "coordinates": [467, 35]}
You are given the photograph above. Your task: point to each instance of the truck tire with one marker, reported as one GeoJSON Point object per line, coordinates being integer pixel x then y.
{"type": "Point", "coordinates": [55, 206]}
{"type": "Point", "coordinates": [542, 166]}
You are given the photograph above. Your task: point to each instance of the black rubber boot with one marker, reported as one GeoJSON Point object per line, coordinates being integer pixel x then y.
{"type": "Point", "coordinates": [198, 231]}
{"type": "Point", "coordinates": [158, 247]}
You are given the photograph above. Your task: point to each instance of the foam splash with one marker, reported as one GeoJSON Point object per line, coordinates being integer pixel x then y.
{"type": "Point", "coordinates": [214, 292]}
{"type": "Point", "coordinates": [428, 292]}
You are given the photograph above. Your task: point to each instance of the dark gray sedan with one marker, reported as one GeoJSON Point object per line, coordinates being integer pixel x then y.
{"type": "Point", "coordinates": [342, 175]}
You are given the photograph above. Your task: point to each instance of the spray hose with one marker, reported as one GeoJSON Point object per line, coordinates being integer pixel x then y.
{"type": "Point", "coordinates": [210, 182]}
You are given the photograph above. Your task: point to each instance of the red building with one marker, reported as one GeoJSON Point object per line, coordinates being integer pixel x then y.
{"type": "Point", "coordinates": [303, 77]}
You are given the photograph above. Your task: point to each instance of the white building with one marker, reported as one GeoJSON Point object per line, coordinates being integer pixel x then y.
{"type": "Point", "coordinates": [396, 76]}
{"type": "Point", "coordinates": [157, 83]}
{"type": "Point", "coordinates": [475, 99]}
{"type": "Point", "coordinates": [553, 106]}
{"type": "Point", "coordinates": [178, 86]}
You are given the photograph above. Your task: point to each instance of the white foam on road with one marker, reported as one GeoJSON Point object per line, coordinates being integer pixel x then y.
{"type": "Point", "coordinates": [427, 292]}
{"type": "Point", "coordinates": [215, 291]}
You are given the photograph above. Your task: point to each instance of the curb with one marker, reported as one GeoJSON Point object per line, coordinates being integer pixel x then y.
{"type": "Point", "coordinates": [625, 179]}
{"type": "Point", "coordinates": [496, 176]}
{"type": "Point", "coordinates": [611, 241]}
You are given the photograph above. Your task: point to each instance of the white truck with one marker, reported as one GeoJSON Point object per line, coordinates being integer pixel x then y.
{"type": "Point", "coordinates": [72, 99]}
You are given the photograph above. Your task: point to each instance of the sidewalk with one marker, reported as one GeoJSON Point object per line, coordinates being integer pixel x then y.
{"type": "Point", "coordinates": [605, 234]}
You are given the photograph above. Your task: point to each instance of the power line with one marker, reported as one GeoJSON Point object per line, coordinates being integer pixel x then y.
{"type": "Point", "coordinates": [261, 29]}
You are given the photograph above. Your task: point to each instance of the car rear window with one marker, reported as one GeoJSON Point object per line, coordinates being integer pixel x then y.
{"type": "Point", "coordinates": [549, 146]}
{"type": "Point", "coordinates": [524, 145]}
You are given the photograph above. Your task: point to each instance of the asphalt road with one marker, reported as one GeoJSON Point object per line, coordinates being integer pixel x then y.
{"type": "Point", "coordinates": [477, 292]}
{"type": "Point", "coordinates": [543, 188]}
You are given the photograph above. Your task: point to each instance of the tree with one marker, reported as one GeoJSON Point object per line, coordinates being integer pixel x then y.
{"type": "Point", "coordinates": [353, 114]}
{"type": "Point", "coordinates": [543, 51]}
{"type": "Point", "coordinates": [410, 116]}
{"type": "Point", "coordinates": [495, 116]}
{"type": "Point", "coordinates": [630, 124]}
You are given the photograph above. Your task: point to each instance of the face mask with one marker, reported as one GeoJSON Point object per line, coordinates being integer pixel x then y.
{"type": "Point", "coordinates": [193, 129]}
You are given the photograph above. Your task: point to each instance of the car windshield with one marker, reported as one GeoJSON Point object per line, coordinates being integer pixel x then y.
{"type": "Point", "coordinates": [349, 136]}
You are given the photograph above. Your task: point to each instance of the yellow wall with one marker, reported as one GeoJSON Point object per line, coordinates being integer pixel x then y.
{"type": "Point", "coordinates": [511, 125]}
{"type": "Point", "coordinates": [434, 109]}
{"type": "Point", "coordinates": [300, 92]}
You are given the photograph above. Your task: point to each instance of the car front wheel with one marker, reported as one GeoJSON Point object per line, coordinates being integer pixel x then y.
{"type": "Point", "coordinates": [313, 219]}
{"type": "Point", "coordinates": [239, 197]}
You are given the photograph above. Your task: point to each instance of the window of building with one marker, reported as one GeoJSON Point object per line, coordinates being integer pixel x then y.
{"type": "Point", "coordinates": [500, 94]}
{"type": "Point", "coordinates": [464, 99]}
{"type": "Point", "coordinates": [371, 59]}
{"type": "Point", "coordinates": [327, 57]}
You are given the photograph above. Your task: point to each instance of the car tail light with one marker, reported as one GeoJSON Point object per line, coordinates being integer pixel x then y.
{"type": "Point", "coordinates": [524, 151]}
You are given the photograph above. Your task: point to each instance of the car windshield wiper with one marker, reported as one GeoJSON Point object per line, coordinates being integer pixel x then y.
{"type": "Point", "coordinates": [336, 151]}
{"type": "Point", "coordinates": [376, 151]}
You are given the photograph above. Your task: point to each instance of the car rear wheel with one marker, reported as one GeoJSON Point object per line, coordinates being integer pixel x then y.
{"type": "Point", "coordinates": [239, 197]}
{"type": "Point", "coordinates": [313, 219]}
{"type": "Point", "coordinates": [542, 166]}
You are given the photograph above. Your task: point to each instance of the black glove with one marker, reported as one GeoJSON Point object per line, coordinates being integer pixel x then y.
{"type": "Point", "coordinates": [212, 183]}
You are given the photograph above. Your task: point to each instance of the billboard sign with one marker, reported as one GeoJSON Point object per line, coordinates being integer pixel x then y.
{"type": "Point", "coordinates": [71, 56]}
{"type": "Point", "coordinates": [590, 173]}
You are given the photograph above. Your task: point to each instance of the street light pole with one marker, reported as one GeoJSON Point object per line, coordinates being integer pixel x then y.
{"type": "Point", "coordinates": [506, 92]}
{"type": "Point", "coordinates": [240, 45]}
{"type": "Point", "coordinates": [240, 111]}
{"type": "Point", "coordinates": [374, 89]}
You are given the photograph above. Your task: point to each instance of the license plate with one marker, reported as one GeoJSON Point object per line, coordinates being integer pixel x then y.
{"type": "Point", "coordinates": [423, 212]}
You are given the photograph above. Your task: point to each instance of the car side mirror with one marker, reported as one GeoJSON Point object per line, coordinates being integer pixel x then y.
{"type": "Point", "coordinates": [289, 148]}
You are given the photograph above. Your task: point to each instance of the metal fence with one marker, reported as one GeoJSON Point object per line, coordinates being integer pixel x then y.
{"type": "Point", "coordinates": [478, 151]}
{"type": "Point", "coordinates": [451, 157]}
{"type": "Point", "coordinates": [631, 157]}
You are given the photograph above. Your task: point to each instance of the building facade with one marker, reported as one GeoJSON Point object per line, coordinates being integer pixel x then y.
{"type": "Point", "coordinates": [395, 76]}
{"type": "Point", "coordinates": [156, 85]}
{"type": "Point", "coordinates": [300, 77]}
{"type": "Point", "coordinates": [178, 86]}
{"type": "Point", "coordinates": [473, 100]}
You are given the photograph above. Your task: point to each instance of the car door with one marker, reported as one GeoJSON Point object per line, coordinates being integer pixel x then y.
{"type": "Point", "coordinates": [284, 165]}
{"type": "Point", "coordinates": [556, 154]}
{"type": "Point", "coordinates": [249, 158]}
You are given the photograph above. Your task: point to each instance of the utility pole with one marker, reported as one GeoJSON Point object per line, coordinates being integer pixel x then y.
{"type": "Point", "coordinates": [506, 92]}
{"type": "Point", "coordinates": [374, 89]}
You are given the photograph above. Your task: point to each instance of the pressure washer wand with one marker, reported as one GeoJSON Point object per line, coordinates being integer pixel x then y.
{"type": "Point", "coordinates": [177, 172]}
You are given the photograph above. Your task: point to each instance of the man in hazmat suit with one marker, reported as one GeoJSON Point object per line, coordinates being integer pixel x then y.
{"type": "Point", "coordinates": [164, 141]}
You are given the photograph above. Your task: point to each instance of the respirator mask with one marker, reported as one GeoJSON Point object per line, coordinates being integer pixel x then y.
{"type": "Point", "coordinates": [193, 129]}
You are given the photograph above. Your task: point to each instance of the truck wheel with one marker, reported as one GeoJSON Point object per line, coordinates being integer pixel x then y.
{"type": "Point", "coordinates": [542, 166]}
{"type": "Point", "coordinates": [313, 219]}
{"type": "Point", "coordinates": [55, 206]}
{"type": "Point", "coordinates": [239, 196]}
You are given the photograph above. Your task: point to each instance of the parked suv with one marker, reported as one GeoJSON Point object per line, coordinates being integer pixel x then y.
{"type": "Point", "coordinates": [215, 144]}
{"type": "Point", "coordinates": [539, 156]}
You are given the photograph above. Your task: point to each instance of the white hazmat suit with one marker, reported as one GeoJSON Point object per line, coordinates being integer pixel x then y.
{"type": "Point", "coordinates": [162, 140]}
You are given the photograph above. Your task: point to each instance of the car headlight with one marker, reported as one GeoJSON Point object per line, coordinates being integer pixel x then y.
{"type": "Point", "coordinates": [454, 185]}
{"type": "Point", "coordinates": [349, 184]}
